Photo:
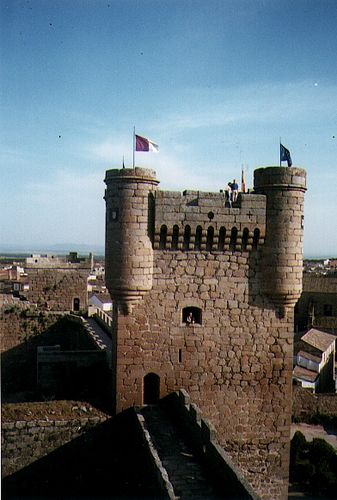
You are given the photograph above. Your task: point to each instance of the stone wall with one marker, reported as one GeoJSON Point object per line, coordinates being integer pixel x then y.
{"type": "Point", "coordinates": [208, 211]}
{"type": "Point", "coordinates": [203, 438]}
{"type": "Point", "coordinates": [23, 442]}
{"type": "Point", "coordinates": [231, 364]}
{"type": "Point", "coordinates": [22, 331]}
{"type": "Point", "coordinates": [318, 292]}
{"type": "Point", "coordinates": [58, 289]}
{"type": "Point", "coordinates": [67, 449]}
{"type": "Point", "coordinates": [307, 405]}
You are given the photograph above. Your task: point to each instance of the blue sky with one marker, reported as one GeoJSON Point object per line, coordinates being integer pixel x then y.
{"type": "Point", "coordinates": [215, 84]}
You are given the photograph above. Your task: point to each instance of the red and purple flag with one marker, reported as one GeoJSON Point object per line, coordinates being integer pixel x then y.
{"type": "Point", "coordinates": [145, 145]}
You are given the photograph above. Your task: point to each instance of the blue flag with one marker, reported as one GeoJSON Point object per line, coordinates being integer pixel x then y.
{"type": "Point", "coordinates": [285, 155]}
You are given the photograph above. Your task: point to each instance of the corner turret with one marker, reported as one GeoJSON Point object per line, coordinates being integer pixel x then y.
{"type": "Point", "coordinates": [283, 249]}
{"type": "Point", "coordinates": [128, 246]}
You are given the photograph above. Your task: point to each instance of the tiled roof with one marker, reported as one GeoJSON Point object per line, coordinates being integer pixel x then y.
{"type": "Point", "coordinates": [309, 356]}
{"type": "Point", "coordinates": [103, 297]}
{"type": "Point", "coordinates": [304, 374]}
{"type": "Point", "coordinates": [317, 338]}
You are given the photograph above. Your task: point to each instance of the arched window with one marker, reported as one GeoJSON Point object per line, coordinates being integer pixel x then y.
{"type": "Point", "coordinates": [198, 238]}
{"type": "Point", "coordinates": [256, 238]}
{"type": "Point", "coordinates": [163, 236]}
{"type": "Point", "coordinates": [175, 237]}
{"type": "Point", "coordinates": [209, 241]}
{"type": "Point", "coordinates": [76, 304]}
{"type": "Point", "coordinates": [151, 389]}
{"type": "Point", "coordinates": [192, 315]}
{"type": "Point", "coordinates": [234, 235]}
{"type": "Point", "coordinates": [221, 241]}
{"type": "Point", "coordinates": [187, 237]}
{"type": "Point", "coordinates": [245, 236]}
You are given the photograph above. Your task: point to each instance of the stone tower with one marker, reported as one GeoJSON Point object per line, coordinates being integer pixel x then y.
{"type": "Point", "coordinates": [128, 248]}
{"type": "Point", "coordinates": [283, 248]}
{"type": "Point", "coordinates": [237, 271]}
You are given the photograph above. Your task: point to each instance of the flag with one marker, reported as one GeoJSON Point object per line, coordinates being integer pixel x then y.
{"type": "Point", "coordinates": [285, 155]}
{"type": "Point", "coordinates": [145, 145]}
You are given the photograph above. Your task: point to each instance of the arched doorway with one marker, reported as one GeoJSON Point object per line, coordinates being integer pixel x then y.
{"type": "Point", "coordinates": [76, 305]}
{"type": "Point", "coordinates": [151, 389]}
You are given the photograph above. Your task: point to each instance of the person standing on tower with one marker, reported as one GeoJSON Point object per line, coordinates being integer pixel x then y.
{"type": "Point", "coordinates": [235, 189]}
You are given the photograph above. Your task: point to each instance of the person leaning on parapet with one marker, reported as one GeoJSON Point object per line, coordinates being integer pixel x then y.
{"type": "Point", "coordinates": [235, 189]}
{"type": "Point", "coordinates": [190, 319]}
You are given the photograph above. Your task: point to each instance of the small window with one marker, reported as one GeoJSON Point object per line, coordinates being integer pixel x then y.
{"type": "Point", "coordinates": [234, 235]}
{"type": "Point", "coordinates": [187, 237]}
{"type": "Point", "coordinates": [192, 315]}
{"type": "Point", "coordinates": [327, 308]}
{"type": "Point", "coordinates": [175, 237]}
{"type": "Point", "coordinates": [76, 305]}
{"type": "Point", "coordinates": [245, 236]}
{"type": "Point", "coordinates": [163, 237]}
{"type": "Point", "coordinates": [210, 237]}
{"type": "Point", "coordinates": [256, 238]}
{"type": "Point", "coordinates": [198, 238]}
{"type": "Point", "coordinates": [113, 214]}
{"type": "Point", "coordinates": [221, 241]}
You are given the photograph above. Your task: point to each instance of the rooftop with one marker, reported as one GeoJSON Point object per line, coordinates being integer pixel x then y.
{"type": "Point", "coordinates": [317, 338]}
{"type": "Point", "coordinates": [304, 374]}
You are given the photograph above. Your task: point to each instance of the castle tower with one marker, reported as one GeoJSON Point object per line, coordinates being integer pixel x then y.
{"type": "Point", "coordinates": [283, 248]}
{"type": "Point", "coordinates": [237, 270]}
{"type": "Point", "coordinates": [128, 247]}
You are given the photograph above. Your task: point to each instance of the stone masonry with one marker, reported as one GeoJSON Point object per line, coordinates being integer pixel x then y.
{"type": "Point", "coordinates": [56, 284]}
{"type": "Point", "coordinates": [239, 272]}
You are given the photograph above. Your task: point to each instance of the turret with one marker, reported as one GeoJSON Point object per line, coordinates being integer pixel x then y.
{"type": "Point", "coordinates": [282, 257]}
{"type": "Point", "coordinates": [128, 246]}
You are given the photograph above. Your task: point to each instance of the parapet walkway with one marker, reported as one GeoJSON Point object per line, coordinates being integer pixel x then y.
{"type": "Point", "coordinates": [100, 336]}
{"type": "Point", "coordinates": [186, 474]}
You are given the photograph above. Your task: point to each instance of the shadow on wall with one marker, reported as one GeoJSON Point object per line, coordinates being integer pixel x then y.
{"type": "Point", "coordinates": [19, 368]}
{"type": "Point", "coordinates": [106, 462]}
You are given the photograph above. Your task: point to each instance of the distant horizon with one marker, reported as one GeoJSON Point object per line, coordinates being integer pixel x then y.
{"type": "Point", "coordinates": [65, 248]}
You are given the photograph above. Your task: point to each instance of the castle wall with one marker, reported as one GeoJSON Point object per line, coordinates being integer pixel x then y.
{"type": "Point", "coordinates": [23, 442]}
{"type": "Point", "coordinates": [57, 288]}
{"type": "Point", "coordinates": [231, 365]}
{"type": "Point", "coordinates": [235, 361]}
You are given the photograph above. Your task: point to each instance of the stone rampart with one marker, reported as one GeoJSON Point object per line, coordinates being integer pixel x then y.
{"type": "Point", "coordinates": [155, 463]}
{"type": "Point", "coordinates": [203, 437]}
{"type": "Point", "coordinates": [25, 441]}
{"type": "Point", "coordinates": [196, 214]}
{"type": "Point", "coordinates": [319, 284]}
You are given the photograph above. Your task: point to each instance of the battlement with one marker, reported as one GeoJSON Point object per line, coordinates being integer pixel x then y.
{"type": "Point", "coordinates": [196, 220]}
{"type": "Point", "coordinates": [53, 261]}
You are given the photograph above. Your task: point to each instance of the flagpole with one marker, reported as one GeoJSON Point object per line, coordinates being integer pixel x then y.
{"type": "Point", "coordinates": [134, 147]}
{"type": "Point", "coordinates": [280, 151]}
